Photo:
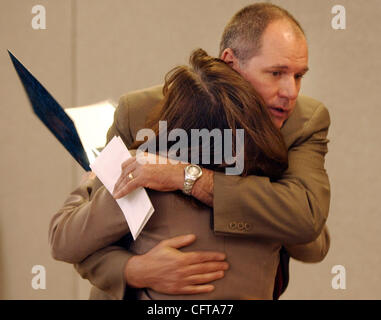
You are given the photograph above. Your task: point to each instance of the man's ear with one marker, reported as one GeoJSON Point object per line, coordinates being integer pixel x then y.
{"type": "Point", "coordinates": [229, 57]}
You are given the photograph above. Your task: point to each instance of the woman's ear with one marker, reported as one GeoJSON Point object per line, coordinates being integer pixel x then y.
{"type": "Point", "coordinates": [229, 57]}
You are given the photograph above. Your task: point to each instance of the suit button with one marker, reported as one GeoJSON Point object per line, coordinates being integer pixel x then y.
{"type": "Point", "coordinates": [240, 226]}
{"type": "Point", "coordinates": [232, 225]}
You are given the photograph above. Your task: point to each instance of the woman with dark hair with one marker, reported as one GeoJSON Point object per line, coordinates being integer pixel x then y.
{"type": "Point", "coordinates": [210, 95]}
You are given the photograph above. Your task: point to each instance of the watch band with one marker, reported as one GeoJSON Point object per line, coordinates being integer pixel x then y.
{"type": "Point", "coordinates": [192, 172]}
{"type": "Point", "coordinates": [188, 186]}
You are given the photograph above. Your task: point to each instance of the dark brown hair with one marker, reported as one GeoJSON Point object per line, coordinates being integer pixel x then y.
{"type": "Point", "coordinates": [243, 33]}
{"type": "Point", "coordinates": [209, 94]}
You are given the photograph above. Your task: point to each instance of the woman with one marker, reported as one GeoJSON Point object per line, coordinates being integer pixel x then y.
{"type": "Point", "coordinates": [207, 95]}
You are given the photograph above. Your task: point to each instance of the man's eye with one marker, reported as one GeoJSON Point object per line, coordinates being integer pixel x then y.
{"type": "Point", "coordinates": [299, 76]}
{"type": "Point", "coordinates": [276, 73]}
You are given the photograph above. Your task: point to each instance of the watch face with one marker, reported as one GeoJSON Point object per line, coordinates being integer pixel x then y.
{"type": "Point", "coordinates": [193, 170]}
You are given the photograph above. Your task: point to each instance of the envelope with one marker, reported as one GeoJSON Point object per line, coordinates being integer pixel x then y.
{"type": "Point", "coordinates": [136, 206]}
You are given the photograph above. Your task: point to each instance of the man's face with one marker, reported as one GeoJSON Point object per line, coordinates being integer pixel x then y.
{"type": "Point", "coordinates": [276, 72]}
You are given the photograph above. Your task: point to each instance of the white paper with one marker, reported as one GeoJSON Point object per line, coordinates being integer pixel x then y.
{"type": "Point", "coordinates": [136, 206]}
{"type": "Point", "coordinates": [92, 123]}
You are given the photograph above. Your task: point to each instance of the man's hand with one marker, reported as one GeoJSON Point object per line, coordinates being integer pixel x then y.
{"type": "Point", "coordinates": [161, 175]}
{"type": "Point", "coordinates": [157, 174]}
{"type": "Point", "coordinates": [168, 270]}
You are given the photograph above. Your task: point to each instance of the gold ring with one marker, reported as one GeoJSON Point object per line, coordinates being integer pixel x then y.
{"type": "Point", "coordinates": [130, 176]}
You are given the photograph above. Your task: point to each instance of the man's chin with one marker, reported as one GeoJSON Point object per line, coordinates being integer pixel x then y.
{"type": "Point", "coordinates": [278, 122]}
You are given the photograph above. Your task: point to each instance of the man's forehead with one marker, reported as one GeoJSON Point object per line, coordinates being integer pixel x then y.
{"type": "Point", "coordinates": [281, 40]}
{"type": "Point", "coordinates": [281, 61]}
{"type": "Point", "coordinates": [286, 55]}
{"type": "Point", "coordinates": [282, 31]}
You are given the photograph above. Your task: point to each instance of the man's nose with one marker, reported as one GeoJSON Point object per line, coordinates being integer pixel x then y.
{"type": "Point", "coordinates": [289, 88]}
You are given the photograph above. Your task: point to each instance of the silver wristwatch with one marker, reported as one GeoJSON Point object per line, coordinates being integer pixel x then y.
{"type": "Point", "coordinates": [192, 172]}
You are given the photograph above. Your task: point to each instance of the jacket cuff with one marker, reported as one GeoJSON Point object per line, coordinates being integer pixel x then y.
{"type": "Point", "coordinates": [223, 221]}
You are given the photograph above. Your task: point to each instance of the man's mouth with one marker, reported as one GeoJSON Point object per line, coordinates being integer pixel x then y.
{"type": "Point", "coordinates": [278, 111]}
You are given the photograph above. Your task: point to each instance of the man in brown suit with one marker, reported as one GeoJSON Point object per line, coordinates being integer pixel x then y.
{"type": "Point", "coordinates": [291, 211]}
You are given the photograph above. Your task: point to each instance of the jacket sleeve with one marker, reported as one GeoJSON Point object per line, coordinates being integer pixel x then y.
{"type": "Point", "coordinates": [121, 124]}
{"type": "Point", "coordinates": [105, 270]}
{"type": "Point", "coordinates": [292, 210]}
{"type": "Point", "coordinates": [314, 251]}
{"type": "Point", "coordinates": [89, 220]}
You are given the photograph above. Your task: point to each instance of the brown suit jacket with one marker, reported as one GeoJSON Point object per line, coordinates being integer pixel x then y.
{"type": "Point", "coordinates": [291, 211]}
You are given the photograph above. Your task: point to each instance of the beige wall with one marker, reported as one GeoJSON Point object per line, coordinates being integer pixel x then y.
{"type": "Point", "coordinates": [98, 49]}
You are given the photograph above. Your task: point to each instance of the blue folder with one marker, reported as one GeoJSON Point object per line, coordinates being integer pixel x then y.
{"type": "Point", "coordinates": [51, 114]}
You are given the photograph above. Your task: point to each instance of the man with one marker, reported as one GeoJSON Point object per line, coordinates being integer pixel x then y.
{"type": "Point", "coordinates": [267, 46]}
